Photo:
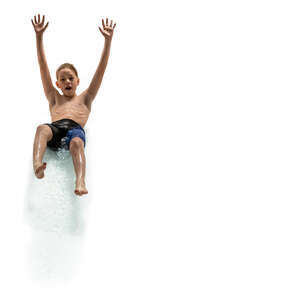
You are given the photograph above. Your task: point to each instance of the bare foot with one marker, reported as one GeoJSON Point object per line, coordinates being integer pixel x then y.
{"type": "Point", "coordinates": [39, 170]}
{"type": "Point", "coordinates": [80, 188]}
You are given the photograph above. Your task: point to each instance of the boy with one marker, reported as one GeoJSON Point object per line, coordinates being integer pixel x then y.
{"type": "Point", "coordinates": [69, 111]}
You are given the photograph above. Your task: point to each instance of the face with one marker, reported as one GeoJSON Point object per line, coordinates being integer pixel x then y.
{"type": "Point", "coordinates": [67, 82]}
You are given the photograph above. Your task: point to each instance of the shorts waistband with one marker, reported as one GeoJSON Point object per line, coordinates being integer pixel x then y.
{"type": "Point", "coordinates": [68, 122]}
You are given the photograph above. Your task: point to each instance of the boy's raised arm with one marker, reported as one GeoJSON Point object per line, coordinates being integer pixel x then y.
{"type": "Point", "coordinates": [39, 28]}
{"type": "Point", "coordinates": [93, 88]}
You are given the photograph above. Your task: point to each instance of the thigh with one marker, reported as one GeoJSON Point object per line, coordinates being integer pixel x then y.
{"type": "Point", "coordinates": [76, 136]}
{"type": "Point", "coordinates": [46, 130]}
{"type": "Point", "coordinates": [55, 140]}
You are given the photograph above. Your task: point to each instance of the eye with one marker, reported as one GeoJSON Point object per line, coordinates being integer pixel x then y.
{"type": "Point", "coordinates": [63, 79]}
{"type": "Point", "coordinates": [71, 78]}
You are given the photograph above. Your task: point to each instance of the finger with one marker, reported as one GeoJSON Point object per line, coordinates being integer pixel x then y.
{"type": "Point", "coordinates": [39, 18]}
{"type": "Point", "coordinates": [111, 23]}
{"type": "Point", "coordinates": [32, 23]}
{"type": "Point", "coordinates": [43, 20]}
{"type": "Point", "coordinates": [46, 26]}
{"type": "Point", "coordinates": [114, 25]}
{"type": "Point", "coordinates": [106, 21]}
{"type": "Point", "coordinates": [101, 30]}
{"type": "Point", "coordinates": [103, 23]}
{"type": "Point", "coordinates": [35, 19]}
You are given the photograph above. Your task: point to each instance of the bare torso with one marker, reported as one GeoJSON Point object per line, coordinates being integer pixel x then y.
{"type": "Point", "coordinates": [75, 108]}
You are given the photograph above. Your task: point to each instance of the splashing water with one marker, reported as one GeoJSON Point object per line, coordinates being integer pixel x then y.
{"type": "Point", "coordinates": [55, 215]}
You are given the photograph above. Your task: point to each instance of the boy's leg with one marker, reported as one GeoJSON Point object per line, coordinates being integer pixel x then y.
{"type": "Point", "coordinates": [42, 136]}
{"type": "Point", "coordinates": [77, 152]}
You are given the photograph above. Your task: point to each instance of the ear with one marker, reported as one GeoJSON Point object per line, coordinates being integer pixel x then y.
{"type": "Point", "coordinates": [78, 80]}
{"type": "Point", "coordinates": [57, 84]}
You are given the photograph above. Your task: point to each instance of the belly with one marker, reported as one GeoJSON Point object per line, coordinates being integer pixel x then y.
{"type": "Point", "coordinates": [78, 113]}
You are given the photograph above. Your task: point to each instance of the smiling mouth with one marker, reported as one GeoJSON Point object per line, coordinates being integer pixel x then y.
{"type": "Point", "coordinates": [68, 88]}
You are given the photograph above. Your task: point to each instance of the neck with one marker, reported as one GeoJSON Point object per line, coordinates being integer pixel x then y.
{"type": "Point", "coordinates": [70, 97]}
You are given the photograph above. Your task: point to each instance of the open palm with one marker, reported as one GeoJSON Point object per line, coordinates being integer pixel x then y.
{"type": "Point", "coordinates": [107, 30]}
{"type": "Point", "coordinates": [38, 25]}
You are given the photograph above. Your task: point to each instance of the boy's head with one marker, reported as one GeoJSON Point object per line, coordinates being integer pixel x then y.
{"type": "Point", "coordinates": [67, 79]}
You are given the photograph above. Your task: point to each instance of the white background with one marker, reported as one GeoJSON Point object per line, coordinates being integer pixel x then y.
{"type": "Point", "coordinates": [193, 156]}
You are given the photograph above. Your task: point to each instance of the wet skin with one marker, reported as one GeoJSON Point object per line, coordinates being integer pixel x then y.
{"type": "Point", "coordinates": [67, 105]}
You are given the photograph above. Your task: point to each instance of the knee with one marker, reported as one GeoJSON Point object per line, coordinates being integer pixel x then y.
{"type": "Point", "coordinates": [76, 144]}
{"type": "Point", "coordinates": [45, 130]}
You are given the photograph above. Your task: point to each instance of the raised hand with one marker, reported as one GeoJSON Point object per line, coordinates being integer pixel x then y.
{"type": "Point", "coordinates": [38, 25]}
{"type": "Point", "coordinates": [107, 30]}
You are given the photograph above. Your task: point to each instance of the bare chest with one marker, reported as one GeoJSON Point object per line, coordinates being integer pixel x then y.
{"type": "Point", "coordinates": [74, 109]}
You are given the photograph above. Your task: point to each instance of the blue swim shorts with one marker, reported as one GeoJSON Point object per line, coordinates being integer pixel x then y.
{"type": "Point", "coordinates": [64, 131]}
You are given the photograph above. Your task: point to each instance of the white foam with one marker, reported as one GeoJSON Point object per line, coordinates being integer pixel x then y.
{"type": "Point", "coordinates": [55, 214]}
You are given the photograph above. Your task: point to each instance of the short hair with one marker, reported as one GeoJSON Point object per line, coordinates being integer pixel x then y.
{"type": "Point", "coordinates": [66, 65]}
